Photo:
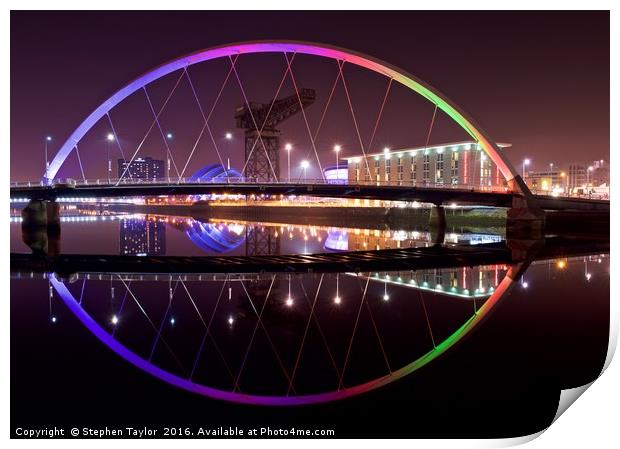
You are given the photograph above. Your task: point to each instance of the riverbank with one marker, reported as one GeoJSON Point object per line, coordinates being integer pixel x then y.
{"type": "Point", "coordinates": [474, 220]}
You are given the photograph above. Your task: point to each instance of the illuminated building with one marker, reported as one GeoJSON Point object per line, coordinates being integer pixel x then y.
{"type": "Point", "coordinates": [600, 173]}
{"type": "Point", "coordinates": [366, 239]}
{"type": "Point", "coordinates": [466, 282]}
{"type": "Point", "coordinates": [577, 176]}
{"type": "Point", "coordinates": [459, 163]}
{"type": "Point", "coordinates": [141, 168]}
{"type": "Point", "coordinates": [140, 237]}
{"type": "Point", "coordinates": [546, 181]}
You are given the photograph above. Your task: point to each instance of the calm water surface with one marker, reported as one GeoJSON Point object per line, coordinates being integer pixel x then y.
{"type": "Point", "coordinates": [468, 351]}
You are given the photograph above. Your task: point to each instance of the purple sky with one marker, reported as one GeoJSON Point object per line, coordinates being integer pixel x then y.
{"type": "Point", "coordinates": [539, 80]}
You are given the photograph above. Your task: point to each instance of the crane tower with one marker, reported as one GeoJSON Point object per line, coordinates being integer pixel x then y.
{"type": "Point", "coordinates": [263, 162]}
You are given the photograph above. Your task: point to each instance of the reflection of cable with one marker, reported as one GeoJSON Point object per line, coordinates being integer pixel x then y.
{"type": "Point", "coordinates": [183, 382]}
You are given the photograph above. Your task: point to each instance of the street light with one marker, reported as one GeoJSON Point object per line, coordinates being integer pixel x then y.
{"type": "Point", "coordinates": [110, 139]}
{"type": "Point", "coordinates": [169, 136]}
{"type": "Point", "coordinates": [304, 167]}
{"type": "Point", "coordinates": [228, 136]}
{"type": "Point", "coordinates": [47, 164]}
{"type": "Point", "coordinates": [288, 147]}
{"type": "Point", "coordinates": [337, 149]}
{"type": "Point", "coordinates": [526, 162]}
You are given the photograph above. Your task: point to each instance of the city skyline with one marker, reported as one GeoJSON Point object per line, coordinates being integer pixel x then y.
{"type": "Point", "coordinates": [547, 129]}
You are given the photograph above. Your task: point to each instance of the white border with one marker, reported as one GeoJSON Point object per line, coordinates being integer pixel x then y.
{"type": "Point", "coordinates": [591, 422]}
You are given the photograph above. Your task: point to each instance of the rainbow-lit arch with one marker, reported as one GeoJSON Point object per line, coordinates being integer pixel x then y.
{"type": "Point", "coordinates": [327, 51]}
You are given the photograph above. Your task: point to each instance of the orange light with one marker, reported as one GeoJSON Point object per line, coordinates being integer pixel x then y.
{"type": "Point", "coordinates": [561, 264]}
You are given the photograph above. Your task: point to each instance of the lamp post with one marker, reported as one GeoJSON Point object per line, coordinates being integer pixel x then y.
{"type": "Point", "coordinates": [337, 149]}
{"type": "Point", "coordinates": [169, 136]}
{"type": "Point", "coordinates": [110, 138]}
{"type": "Point", "coordinates": [526, 162]}
{"type": "Point", "coordinates": [304, 166]}
{"type": "Point", "coordinates": [47, 164]}
{"type": "Point", "coordinates": [590, 168]}
{"type": "Point", "coordinates": [288, 147]}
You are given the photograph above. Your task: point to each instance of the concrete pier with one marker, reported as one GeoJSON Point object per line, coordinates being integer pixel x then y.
{"type": "Point", "coordinates": [41, 227]}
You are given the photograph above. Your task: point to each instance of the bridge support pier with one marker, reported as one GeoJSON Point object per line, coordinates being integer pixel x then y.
{"type": "Point", "coordinates": [437, 224]}
{"type": "Point", "coordinates": [41, 227]}
{"type": "Point", "coordinates": [525, 217]}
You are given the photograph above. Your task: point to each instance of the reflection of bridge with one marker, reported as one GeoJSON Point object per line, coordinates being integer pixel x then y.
{"type": "Point", "coordinates": [381, 260]}
{"type": "Point", "coordinates": [364, 317]}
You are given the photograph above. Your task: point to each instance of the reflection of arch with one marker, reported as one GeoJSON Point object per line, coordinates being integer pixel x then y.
{"type": "Point", "coordinates": [327, 51]}
{"type": "Point", "coordinates": [144, 364]}
{"type": "Point", "coordinates": [212, 238]}
{"type": "Point", "coordinates": [214, 173]}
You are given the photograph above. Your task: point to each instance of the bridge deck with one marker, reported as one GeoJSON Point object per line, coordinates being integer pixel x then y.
{"type": "Point", "coordinates": [436, 195]}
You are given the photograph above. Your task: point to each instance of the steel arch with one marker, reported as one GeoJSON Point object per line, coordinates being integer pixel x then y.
{"type": "Point", "coordinates": [309, 48]}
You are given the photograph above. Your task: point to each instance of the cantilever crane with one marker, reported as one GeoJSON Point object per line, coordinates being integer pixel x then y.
{"type": "Point", "coordinates": [264, 161]}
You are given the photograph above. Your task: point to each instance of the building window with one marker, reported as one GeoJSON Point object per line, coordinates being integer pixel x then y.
{"type": "Point", "coordinates": [414, 169]}
{"type": "Point", "coordinates": [426, 168]}
{"type": "Point", "coordinates": [454, 167]}
{"type": "Point", "coordinates": [485, 171]}
{"type": "Point", "coordinates": [439, 168]}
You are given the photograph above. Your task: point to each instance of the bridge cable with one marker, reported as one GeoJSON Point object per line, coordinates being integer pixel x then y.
{"type": "Point", "coordinates": [148, 131]}
{"type": "Point", "coordinates": [430, 128]}
{"type": "Point", "coordinates": [163, 320]}
{"type": "Point", "coordinates": [247, 104]}
{"type": "Point", "coordinates": [77, 153]}
{"type": "Point", "coordinates": [273, 348]}
{"type": "Point", "coordinates": [303, 113]}
{"type": "Point", "coordinates": [206, 124]}
{"type": "Point", "coordinates": [329, 99]}
{"type": "Point", "coordinates": [152, 324]}
{"type": "Point", "coordinates": [359, 136]}
{"type": "Point", "coordinates": [247, 351]}
{"type": "Point", "coordinates": [303, 340]}
{"type": "Point", "coordinates": [117, 140]}
{"type": "Point", "coordinates": [359, 311]}
{"type": "Point", "coordinates": [318, 325]}
{"type": "Point", "coordinates": [324, 113]}
{"type": "Point", "coordinates": [120, 309]}
{"type": "Point", "coordinates": [163, 136]}
{"type": "Point", "coordinates": [374, 325]}
{"type": "Point", "coordinates": [428, 321]}
{"type": "Point", "coordinates": [374, 131]}
{"type": "Point", "coordinates": [275, 98]}
{"type": "Point", "coordinates": [210, 335]}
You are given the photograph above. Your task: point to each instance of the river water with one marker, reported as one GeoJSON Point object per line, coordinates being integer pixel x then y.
{"type": "Point", "coordinates": [470, 350]}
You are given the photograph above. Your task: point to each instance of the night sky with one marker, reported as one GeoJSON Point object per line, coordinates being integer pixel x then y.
{"type": "Point", "coordinates": [539, 80]}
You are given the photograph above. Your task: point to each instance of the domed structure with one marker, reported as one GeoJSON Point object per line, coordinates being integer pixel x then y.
{"type": "Point", "coordinates": [215, 173]}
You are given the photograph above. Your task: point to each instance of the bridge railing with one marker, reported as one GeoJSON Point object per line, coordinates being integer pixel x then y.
{"type": "Point", "coordinates": [126, 181]}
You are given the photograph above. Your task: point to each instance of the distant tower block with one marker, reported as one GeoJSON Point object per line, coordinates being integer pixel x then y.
{"type": "Point", "coordinates": [263, 162]}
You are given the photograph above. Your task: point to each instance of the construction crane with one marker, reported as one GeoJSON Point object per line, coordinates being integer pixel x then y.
{"type": "Point", "coordinates": [262, 148]}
